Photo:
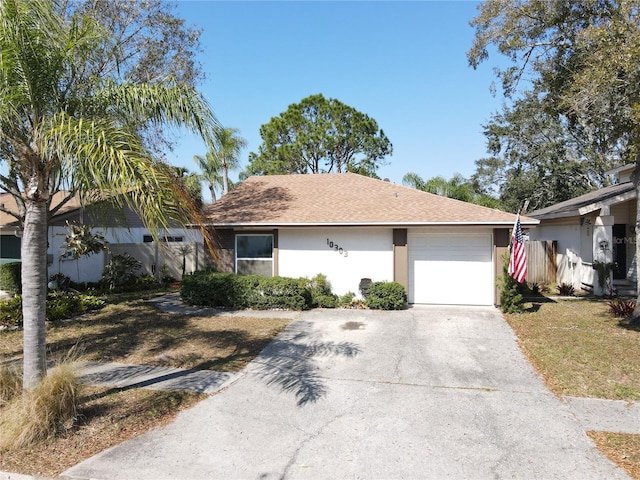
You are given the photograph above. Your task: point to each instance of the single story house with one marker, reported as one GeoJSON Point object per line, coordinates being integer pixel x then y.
{"type": "Point", "coordinates": [595, 227]}
{"type": "Point", "coordinates": [351, 227]}
{"type": "Point", "coordinates": [124, 232]}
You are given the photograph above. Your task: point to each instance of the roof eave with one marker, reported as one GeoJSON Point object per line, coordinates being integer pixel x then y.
{"type": "Point", "coordinates": [528, 223]}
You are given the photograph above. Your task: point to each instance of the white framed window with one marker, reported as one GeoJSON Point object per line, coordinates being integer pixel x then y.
{"type": "Point", "coordinates": [254, 254]}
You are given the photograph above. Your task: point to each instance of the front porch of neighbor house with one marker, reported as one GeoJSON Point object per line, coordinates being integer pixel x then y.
{"type": "Point", "coordinates": [598, 227]}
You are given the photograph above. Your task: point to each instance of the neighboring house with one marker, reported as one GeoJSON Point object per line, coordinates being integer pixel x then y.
{"type": "Point", "coordinates": [596, 227]}
{"type": "Point", "coordinates": [349, 227]}
{"type": "Point", "coordinates": [123, 229]}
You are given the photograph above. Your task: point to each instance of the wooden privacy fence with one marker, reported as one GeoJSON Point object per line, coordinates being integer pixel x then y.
{"type": "Point", "coordinates": [167, 259]}
{"type": "Point", "coordinates": [541, 261]}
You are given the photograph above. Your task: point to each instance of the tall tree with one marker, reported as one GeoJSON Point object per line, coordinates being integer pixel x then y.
{"type": "Point", "coordinates": [210, 171]}
{"type": "Point", "coordinates": [583, 56]}
{"type": "Point", "coordinates": [457, 187]}
{"type": "Point", "coordinates": [227, 148]}
{"type": "Point", "coordinates": [191, 184]}
{"type": "Point", "coordinates": [62, 126]}
{"type": "Point", "coordinates": [537, 156]}
{"type": "Point", "coordinates": [149, 43]}
{"type": "Point", "coordinates": [319, 135]}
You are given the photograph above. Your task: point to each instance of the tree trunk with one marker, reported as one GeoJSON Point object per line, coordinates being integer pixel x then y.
{"type": "Point", "coordinates": [225, 179]}
{"type": "Point", "coordinates": [225, 176]}
{"type": "Point", "coordinates": [635, 177]}
{"type": "Point", "coordinates": [34, 292]}
{"type": "Point", "coordinates": [213, 193]}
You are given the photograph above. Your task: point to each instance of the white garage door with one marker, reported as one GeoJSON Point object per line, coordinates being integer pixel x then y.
{"type": "Point", "coordinates": [451, 269]}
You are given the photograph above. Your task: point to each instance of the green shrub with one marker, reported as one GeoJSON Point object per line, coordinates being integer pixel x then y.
{"type": "Point", "coordinates": [59, 281]}
{"type": "Point", "coordinates": [120, 271]}
{"type": "Point", "coordinates": [146, 282]}
{"type": "Point", "coordinates": [325, 301]}
{"type": "Point", "coordinates": [10, 277]}
{"type": "Point", "coordinates": [386, 296]}
{"type": "Point", "coordinates": [41, 413]}
{"type": "Point", "coordinates": [320, 290]}
{"type": "Point", "coordinates": [346, 299]}
{"type": "Point", "coordinates": [11, 312]}
{"type": "Point", "coordinates": [511, 300]}
{"type": "Point", "coordinates": [228, 290]}
{"type": "Point", "coordinates": [212, 289]}
{"type": "Point", "coordinates": [263, 293]}
{"type": "Point", "coordinates": [62, 305]}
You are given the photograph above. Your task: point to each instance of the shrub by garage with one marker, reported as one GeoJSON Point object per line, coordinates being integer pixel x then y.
{"type": "Point", "coordinates": [386, 296]}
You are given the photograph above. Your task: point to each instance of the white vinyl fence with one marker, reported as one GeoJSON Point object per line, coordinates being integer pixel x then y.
{"type": "Point", "coordinates": [169, 259]}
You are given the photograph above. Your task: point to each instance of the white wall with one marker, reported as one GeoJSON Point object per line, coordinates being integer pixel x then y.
{"type": "Point", "coordinates": [89, 269]}
{"type": "Point", "coordinates": [366, 253]}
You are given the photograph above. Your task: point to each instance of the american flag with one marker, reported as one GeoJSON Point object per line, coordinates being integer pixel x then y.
{"type": "Point", "coordinates": [518, 258]}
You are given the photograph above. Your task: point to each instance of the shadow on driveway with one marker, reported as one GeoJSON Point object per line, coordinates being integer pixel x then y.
{"type": "Point", "coordinates": [289, 362]}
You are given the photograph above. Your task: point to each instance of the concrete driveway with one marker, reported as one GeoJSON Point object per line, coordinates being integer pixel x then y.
{"type": "Point", "coordinates": [429, 392]}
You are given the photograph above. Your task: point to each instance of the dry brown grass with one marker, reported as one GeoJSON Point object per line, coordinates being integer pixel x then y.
{"type": "Point", "coordinates": [10, 383]}
{"type": "Point", "coordinates": [621, 448]}
{"type": "Point", "coordinates": [582, 350]}
{"type": "Point", "coordinates": [106, 417]}
{"type": "Point", "coordinates": [40, 413]}
{"type": "Point", "coordinates": [136, 333]}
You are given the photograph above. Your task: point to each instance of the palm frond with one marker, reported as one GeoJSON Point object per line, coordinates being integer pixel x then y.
{"type": "Point", "coordinates": [168, 104]}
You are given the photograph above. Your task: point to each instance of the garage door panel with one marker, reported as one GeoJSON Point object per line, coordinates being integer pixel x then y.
{"type": "Point", "coordinates": [451, 269]}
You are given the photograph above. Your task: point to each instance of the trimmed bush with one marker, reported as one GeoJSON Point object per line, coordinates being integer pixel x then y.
{"type": "Point", "coordinates": [228, 290]}
{"type": "Point", "coordinates": [321, 295]}
{"type": "Point", "coordinates": [263, 293]}
{"type": "Point", "coordinates": [10, 277]}
{"type": "Point", "coordinates": [386, 296]}
{"type": "Point", "coordinates": [212, 289]}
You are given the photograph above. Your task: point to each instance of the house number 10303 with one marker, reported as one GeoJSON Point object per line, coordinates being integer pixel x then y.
{"type": "Point", "coordinates": [334, 246]}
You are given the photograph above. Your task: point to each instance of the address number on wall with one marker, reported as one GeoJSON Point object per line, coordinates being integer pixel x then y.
{"type": "Point", "coordinates": [334, 246]}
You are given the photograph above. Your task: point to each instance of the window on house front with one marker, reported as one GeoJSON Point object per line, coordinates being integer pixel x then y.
{"type": "Point", "coordinates": [254, 255]}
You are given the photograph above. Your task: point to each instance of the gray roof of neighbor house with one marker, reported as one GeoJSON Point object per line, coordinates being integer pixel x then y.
{"type": "Point", "coordinates": [343, 199]}
{"type": "Point", "coordinates": [587, 203]}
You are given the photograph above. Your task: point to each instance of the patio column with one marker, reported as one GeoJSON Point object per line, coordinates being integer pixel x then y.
{"type": "Point", "coordinates": [602, 242]}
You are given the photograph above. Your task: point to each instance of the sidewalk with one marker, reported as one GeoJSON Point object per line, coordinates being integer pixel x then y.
{"type": "Point", "coordinates": [119, 375]}
{"type": "Point", "coordinates": [592, 413]}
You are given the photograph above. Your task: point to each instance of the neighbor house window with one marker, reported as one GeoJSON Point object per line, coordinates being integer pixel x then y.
{"type": "Point", "coordinates": [254, 255]}
{"type": "Point", "coordinates": [149, 238]}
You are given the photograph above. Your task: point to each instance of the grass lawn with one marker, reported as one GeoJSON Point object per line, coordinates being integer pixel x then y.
{"type": "Point", "coordinates": [581, 350]}
{"type": "Point", "coordinates": [131, 331]}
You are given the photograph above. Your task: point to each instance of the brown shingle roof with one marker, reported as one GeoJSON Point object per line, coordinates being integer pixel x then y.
{"type": "Point", "coordinates": [9, 202]}
{"type": "Point", "coordinates": [343, 199]}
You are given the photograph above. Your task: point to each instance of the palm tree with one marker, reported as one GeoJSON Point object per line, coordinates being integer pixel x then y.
{"type": "Point", "coordinates": [63, 129]}
{"type": "Point", "coordinates": [457, 187]}
{"type": "Point", "coordinates": [227, 149]}
{"type": "Point", "coordinates": [210, 168]}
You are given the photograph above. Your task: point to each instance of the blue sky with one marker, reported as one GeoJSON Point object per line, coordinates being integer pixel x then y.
{"type": "Point", "coordinates": [402, 63]}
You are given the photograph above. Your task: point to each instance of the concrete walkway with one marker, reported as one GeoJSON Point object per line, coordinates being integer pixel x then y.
{"type": "Point", "coordinates": [592, 413]}
{"type": "Point", "coordinates": [434, 393]}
